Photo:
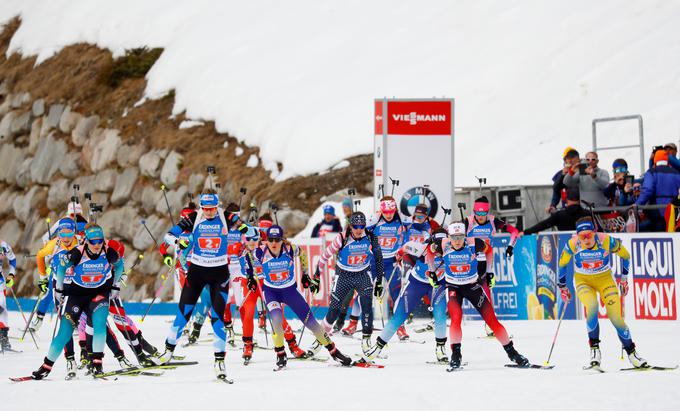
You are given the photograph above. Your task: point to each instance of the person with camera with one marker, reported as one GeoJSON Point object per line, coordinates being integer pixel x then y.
{"type": "Point", "coordinates": [571, 158]}
{"type": "Point", "coordinates": [590, 180]}
{"type": "Point", "coordinates": [672, 150]}
{"type": "Point", "coordinates": [660, 186]}
{"type": "Point", "coordinates": [621, 192]}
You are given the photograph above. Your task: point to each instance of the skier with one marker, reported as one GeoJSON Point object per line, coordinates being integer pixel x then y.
{"type": "Point", "coordinates": [389, 230]}
{"type": "Point", "coordinates": [209, 266]}
{"type": "Point", "coordinates": [249, 300]}
{"type": "Point", "coordinates": [421, 282]}
{"type": "Point", "coordinates": [74, 211]}
{"type": "Point", "coordinates": [94, 274]}
{"type": "Point", "coordinates": [480, 224]}
{"type": "Point", "coordinates": [357, 249]}
{"type": "Point", "coordinates": [465, 267]}
{"type": "Point", "coordinates": [6, 281]}
{"type": "Point", "coordinates": [277, 259]}
{"type": "Point", "coordinates": [592, 255]}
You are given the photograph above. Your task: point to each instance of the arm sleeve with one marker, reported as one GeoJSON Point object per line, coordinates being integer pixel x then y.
{"type": "Point", "coordinates": [331, 250]}
{"type": "Point", "coordinates": [558, 181]}
{"type": "Point", "coordinates": [616, 247]}
{"type": "Point", "coordinates": [647, 189]}
{"type": "Point", "coordinates": [185, 224]}
{"type": "Point", "coordinates": [674, 162]}
{"type": "Point", "coordinates": [69, 260]}
{"type": "Point", "coordinates": [602, 178]}
{"type": "Point", "coordinates": [11, 258]}
{"type": "Point", "coordinates": [565, 259]}
{"type": "Point", "coordinates": [42, 255]}
{"type": "Point", "coordinates": [514, 232]}
{"type": "Point", "coordinates": [377, 255]}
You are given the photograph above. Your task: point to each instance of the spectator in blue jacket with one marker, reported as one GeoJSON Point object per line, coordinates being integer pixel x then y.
{"type": "Point", "coordinates": [660, 186]}
{"type": "Point", "coordinates": [620, 192]}
{"type": "Point", "coordinates": [672, 151]}
{"type": "Point", "coordinates": [329, 224]}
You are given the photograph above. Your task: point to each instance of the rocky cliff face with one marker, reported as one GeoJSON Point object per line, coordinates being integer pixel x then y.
{"type": "Point", "coordinates": [60, 125]}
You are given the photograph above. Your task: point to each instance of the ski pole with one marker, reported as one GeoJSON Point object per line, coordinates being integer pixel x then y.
{"type": "Point", "coordinates": [16, 300]}
{"type": "Point", "coordinates": [564, 310]}
{"type": "Point", "coordinates": [158, 292]}
{"type": "Point", "coordinates": [149, 231]}
{"type": "Point", "coordinates": [163, 189]}
{"type": "Point", "coordinates": [211, 171]}
{"type": "Point", "coordinates": [30, 317]}
{"type": "Point", "coordinates": [304, 323]}
{"type": "Point", "coordinates": [49, 229]}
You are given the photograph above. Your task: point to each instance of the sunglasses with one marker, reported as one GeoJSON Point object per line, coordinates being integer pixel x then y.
{"type": "Point", "coordinates": [457, 237]}
{"type": "Point", "coordinates": [358, 227]}
{"type": "Point", "coordinates": [481, 213]}
{"type": "Point", "coordinates": [591, 159]}
{"type": "Point", "coordinates": [620, 170]}
{"type": "Point", "coordinates": [95, 241]}
{"type": "Point", "coordinates": [209, 208]}
{"type": "Point", "coordinates": [586, 235]}
{"type": "Point", "coordinates": [66, 234]}
{"type": "Point", "coordinates": [274, 240]}
{"type": "Point", "coordinates": [419, 216]}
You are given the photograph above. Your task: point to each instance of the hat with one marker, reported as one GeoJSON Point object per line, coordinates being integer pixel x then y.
{"type": "Point", "coordinates": [209, 200]}
{"type": "Point", "coordinates": [661, 158]}
{"type": "Point", "coordinates": [569, 152]}
{"type": "Point", "coordinates": [66, 224]}
{"type": "Point", "coordinates": [252, 234]}
{"type": "Point", "coordinates": [671, 146]}
{"type": "Point", "coordinates": [585, 225]}
{"type": "Point", "coordinates": [74, 208]}
{"type": "Point", "coordinates": [388, 205]}
{"type": "Point", "coordinates": [347, 202]}
{"type": "Point", "coordinates": [619, 163]}
{"type": "Point", "coordinates": [328, 209]}
{"type": "Point", "coordinates": [481, 205]}
{"type": "Point", "coordinates": [275, 231]}
{"type": "Point", "coordinates": [357, 219]}
{"type": "Point", "coordinates": [456, 229]}
{"type": "Point", "coordinates": [94, 233]}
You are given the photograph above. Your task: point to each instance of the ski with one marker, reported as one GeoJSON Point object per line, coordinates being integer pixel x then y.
{"type": "Point", "coordinates": [531, 366]}
{"type": "Point", "coordinates": [491, 337]}
{"type": "Point", "coordinates": [593, 368]}
{"type": "Point", "coordinates": [71, 376]}
{"type": "Point", "coordinates": [277, 369]}
{"type": "Point", "coordinates": [224, 379]}
{"type": "Point", "coordinates": [381, 356]}
{"type": "Point", "coordinates": [362, 363]}
{"type": "Point", "coordinates": [444, 363]}
{"type": "Point", "coordinates": [200, 340]}
{"type": "Point", "coordinates": [423, 329]}
{"type": "Point", "coordinates": [317, 359]}
{"type": "Point", "coordinates": [456, 369]}
{"type": "Point", "coordinates": [411, 340]}
{"type": "Point", "coordinates": [650, 368]}
{"type": "Point", "coordinates": [21, 379]}
{"type": "Point", "coordinates": [11, 350]}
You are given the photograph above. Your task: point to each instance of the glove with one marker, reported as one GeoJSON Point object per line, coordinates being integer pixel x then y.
{"type": "Point", "coordinates": [509, 251]}
{"type": "Point", "coordinates": [432, 278]}
{"type": "Point", "coordinates": [115, 292]}
{"type": "Point", "coordinates": [59, 296]}
{"type": "Point", "coordinates": [168, 260]}
{"type": "Point", "coordinates": [314, 284]}
{"type": "Point", "coordinates": [564, 292]}
{"type": "Point", "coordinates": [252, 283]}
{"type": "Point", "coordinates": [9, 281]}
{"type": "Point", "coordinates": [623, 286]}
{"type": "Point", "coordinates": [305, 281]}
{"type": "Point", "coordinates": [43, 285]}
{"type": "Point", "coordinates": [378, 290]}
{"type": "Point", "coordinates": [183, 244]}
{"type": "Point", "coordinates": [491, 279]}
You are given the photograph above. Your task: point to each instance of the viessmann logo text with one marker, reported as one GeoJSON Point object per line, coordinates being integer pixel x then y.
{"type": "Point", "coordinates": [654, 273]}
{"type": "Point", "coordinates": [413, 118]}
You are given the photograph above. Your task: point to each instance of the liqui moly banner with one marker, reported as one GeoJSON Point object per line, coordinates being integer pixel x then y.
{"type": "Point", "coordinates": [412, 137]}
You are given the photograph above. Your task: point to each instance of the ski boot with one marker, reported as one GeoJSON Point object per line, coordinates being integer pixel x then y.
{"type": "Point", "coordinates": [96, 366]}
{"type": "Point", "coordinates": [281, 359]}
{"type": "Point", "coordinates": [375, 351]}
{"type": "Point", "coordinates": [147, 347]}
{"type": "Point", "coordinates": [37, 323]}
{"type": "Point", "coordinates": [229, 329]}
{"type": "Point", "coordinates": [409, 320]}
{"type": "Point", "coordinates": [366, 343]}
{"type": "Point", "coordinates": [595, 355]}
{"type": "Point", "coordinates": [456, 357]}
{"type": "Point", "coordinates": [340, 322]}
{"type": "Point", "coordinates": [195, 333]}
{"type": "Point", "coordinates": [4, 340]}
{"type": "Point", "coordinates": [43, 371]}
{"type": "Point", "coordinates": [440, 351]}
{"type": "Point", "coordinates": [71, 368]}
{"type": "Point", "coordinates": [314, 349]}
{"type": "Point", "coordinates": [338, 356]}
{"type": "Point", "coordinates": [84, 359]}
{"type": "Point", "coordinates": [247, 349]}
{"type": "Point", "coordinates": [402, 334]}
{"type": "Point", "coordinates": [514, 356]}
{"type": "Point", "coordinates": [634, 358]}
{"type": "Point", "coordinates": [220, 368]}
{"type": "Point", "coordinates": [295, 349]}
{"type": "Point", "coordinates": [351, 327]}
{"type": "Point", "coordinates": [144, 360]}
{"type": "Point", "coordinates": [166, 357]}
{"type": "Point", "coordinates": [124, 362]}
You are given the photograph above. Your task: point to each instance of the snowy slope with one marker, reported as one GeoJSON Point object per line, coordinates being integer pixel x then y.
{"type": "Point", "coordinates": [297, 78]}
{"type": "Point", "coordinates": [406, 383]}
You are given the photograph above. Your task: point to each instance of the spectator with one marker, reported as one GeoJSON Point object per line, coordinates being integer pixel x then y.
{"type": "Point", "coordinates": [672, 151]}
{"type": "Point", "coordinates": [347, 209]}
{"type": "Point", "coordinates": [660, 186]}
{"type": "Point", "coordinates": [570, 157]}
{"type": "Point", "coordinates": [591, 183]}
{"type": "Point", "coordinates": [564, 220]}
{"type": "Point", "coordinates": [329, 224]}
{"type": "Point", "coordinates": [620, 191]}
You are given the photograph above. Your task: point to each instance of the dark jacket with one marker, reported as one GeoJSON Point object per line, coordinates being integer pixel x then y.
{"type": "Point", "coordinates": [564, 220]}
{"type": "Point", "coordinates": [618, 196]}
{"type": "Point", "coordinates": [660, 186]}
{"type": "Point", "coordinates": [558, 186]}
{"type": "Point", "coordinates": [333, 227]}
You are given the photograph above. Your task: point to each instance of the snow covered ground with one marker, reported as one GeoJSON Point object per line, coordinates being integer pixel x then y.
{"type": "Point", "coordinates": [405, 383]}
{"type": "Point", "coordinates": [298, 78]}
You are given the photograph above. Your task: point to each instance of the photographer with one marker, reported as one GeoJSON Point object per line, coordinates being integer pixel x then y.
{"type": "Point", "coordinates": [570, 157]}
{"type": "Point", "coordinates": [672, 150]}
{"type": "Point", "coordinates": [590, 180]}
{"type": "Point", "coordinates": [621, 191]}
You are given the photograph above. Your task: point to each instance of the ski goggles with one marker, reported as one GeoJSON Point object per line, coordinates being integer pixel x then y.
{"type": "Point", "coordinates": [419, 217]}
{"type": "Point", "coordinates": [209, 209]}
{"type": "Point", "coordinates": [66, 233]}
{"type": "Point", "coordinates": [621, 170]}
{"type": "Point", "coordinates": [585, 235]}
{"type": "Point", "coordinates": [481, 213]}
{"type": "Point", "coordinates": [457, 237]}
{"type": "Point", "coordinates": [95, 241]}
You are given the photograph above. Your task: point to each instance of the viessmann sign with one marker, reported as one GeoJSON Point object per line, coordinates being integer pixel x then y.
{"type": "Point", "coordinates": [411, 136]}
